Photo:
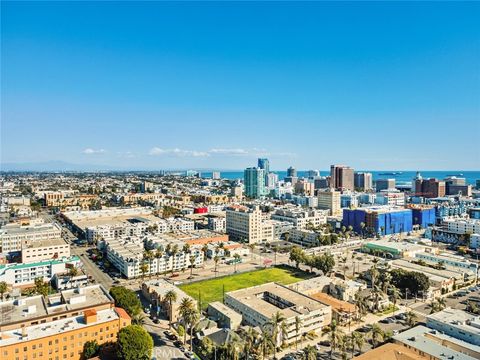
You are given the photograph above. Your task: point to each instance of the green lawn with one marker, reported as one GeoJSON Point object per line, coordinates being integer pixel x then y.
{"type": "Point", "coordinates": [212, 289]}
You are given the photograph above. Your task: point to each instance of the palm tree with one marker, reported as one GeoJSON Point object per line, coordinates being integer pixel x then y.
{"type": "Point", "coordinates": [193, 318]}
{"type": "Point", "coordinates": [298, 325]}
{"type": "Point", "coordinates": [216, 259]}
{"type": "Point", "coordinates": [309, 353]}
{"type": "Point", "coordinates": [143, 269]}
{"type": "Point", "coordinates": [376, 295]}
{"type": "Point", "coordinates": [249, 336]}
{"type": "Point", "coordinates": [191, 258]}
{"type": "Point", "coordinates": [73, 271]}
{"type": "Point", "coordinates": [411, 318]}
{"type": "Point", "coordinates": [441, 303]}
{"type": "Point", "coordinates": [158, 256]}
{"type": "Point", "coordinates": [333, 335]}
{"type": "Point", "coordinates": [433, 306]}
{"type": "Point", "coordinates": [170, 297]}
{"type": "Point", "coordinates": [278, 324]}
{"type": "Point", "coordinates": [343, 344]}
{"type": "Point", "coordinates": [173, 253]}
{"type": "Point", "coordinates": [394, 296]}
{"type": "Point", "coordinates": [205, 251]}
{"type": "Point", "coordinates": [148, 256]}
{"type": "Point", "coordinates": [251, 246]}
{"type": "Point", "coordinates": [376, 333]}
{"type": "Point", "coordinates": [275, 251]}
{"type": "Point", "coordinates": [266, 342]}
{"type": "Point", "coordinates": [3, 288]}
{"type": "Point", "coordinates": [357, 340]}
{"type": "Point", "coordinates": [237, 260]}
{"type": "Point", "coordinates": [138, 319]}
{"type": "Point", "coordinates": [185, 310]}
{"type": "Point", "coordinates": [361, 304]}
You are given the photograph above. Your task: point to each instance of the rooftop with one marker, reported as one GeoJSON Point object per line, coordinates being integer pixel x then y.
{"type": "Point", "coordinates": [390, 351]}
{"type": "Point", "coordinates": [254, 297]}
{"type": "Point", "coordinates": [457, 319]}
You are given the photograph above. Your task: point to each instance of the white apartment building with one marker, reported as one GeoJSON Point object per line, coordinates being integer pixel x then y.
{"type": "Point", "coordinates": [258, 304]}
{"type": "Point", "coordinates": [12, 236]}
{"type": "Point", "coordinates": [45, 250]}
{"type": "Point", "coordinates": [456, 323]}
{"type": "Point", "coordinates": [217, 223]}
{"type": "Point", "coordinates": [127, 256]}
{"type": "Point", "coordinates": [463, 226]}
{"type": "Point", "coordinates": [307, 238]}
{"type": "Point", "coordinates": [475, 241]}
{"type": "Point", "coordinates": [300, 217]}
{"type": "Point", "coordinates": [330, 200]}
{"type": "Point", "coordinates": [390, 198]}
{"type": "Point", "coordinates": [246, 224]}
{"type": "Point", "coordinates": [24, 275]}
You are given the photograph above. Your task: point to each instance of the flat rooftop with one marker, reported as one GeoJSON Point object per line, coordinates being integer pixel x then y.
{"type": "Point", "coordinates": [162, 287]}
{"type": "Point", "coordinates": [54, 327]}
{"type": "Point", "coordinates": [437, 345]}
{"type": "Point", "coordinates": [45, 243]}
{"type": "Point", "coordinates": [253, 297]}
{"type": "Point", "coordinates": [459, 319]}
{"type": "Point", "coordinates": [399, 246]}
{"type": "Point", "coordinates": [36, 306]}
{"type": "Point", "coordinates": [11, 229]}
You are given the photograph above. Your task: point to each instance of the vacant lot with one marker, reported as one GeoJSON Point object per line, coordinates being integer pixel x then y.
{"type": "Point", "coordinates": [212, 290]}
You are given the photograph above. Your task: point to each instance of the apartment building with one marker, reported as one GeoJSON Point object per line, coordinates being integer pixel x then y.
{"type": "Point", "coordinates": [12, 236]}
{"type": "Point", "coordinates": [300, 217]}
{"type": "Point", "coordinates": [456, 323]}
{"type": "Point", "coordinates": [58, 326]}
{"type": "Point", "coordinates": [329, 200]}
{"type": "Point", "coordinates": [463, 226]}
{"type": "Point", "coordinates": [246, 224]}
{"type": "Point", "coordinates": [23, 275]}
{"type": "Point", "coordinates": [258, 304]}
{"type": "Point", "coordinates": [390, 198]}
{"type": "Point", "coordinates": [44, 250]}
{"type": "Point", "coordinates": [216, 223]}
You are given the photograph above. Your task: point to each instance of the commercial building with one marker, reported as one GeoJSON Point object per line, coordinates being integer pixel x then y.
{"type": "Point", "coordinates": [448, 260]}
{"type": "Point", "coordinates": [363, 181]}
{"type": "Point", "coordinates": [58, 326]}
{"type": "Point", "coordinates": [19, 275]}
{"type": "Point", "coordinates": [428, 188]}
{"type": "Point", "coordinates": [12, 236]}
{"type": "Point", "coordinates": [385, 184]}
{"type": "Point", "coordinates": [246, 224]}
{"type": "Point", "coordinates": [384, 220]}
{"type": "Point", "coordinates": [341, 177]}
{"type": "Point", "coordinates": [329, 200]}
{"type": "Point", "coordinates": [264, 164]}
{"type": "Point", "coordinates": [216, 223]}
{"type": "Point", "coordinates": [397, 250]}
{"type": "Point", "coordinates": [258, 304]}
{"type": "Point", "coordinates": [254, 181]}
{"type": "Point", "coordinates": [423, 215]}
{"type": "Point", "coordinates": [390, 198]}
{"type": "Point", "coordinates": [45, 250]}
{"type": "Point", "coordinates": [292, 172]}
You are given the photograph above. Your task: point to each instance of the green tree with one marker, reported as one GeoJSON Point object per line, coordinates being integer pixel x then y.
{"type": "Point", "coordinates": [134, 343]}
{"type": "Point", "coordinates": [90, 349]}
{"type": "Point", "coordinates": [357, 341]}
{"type": "Point", "coordinates": [298, 325]}
{"type": "Point", "coordinates": [266, 342]}
{"type": "Point", "coordinates": [3, 288]}
{"type": "Point", "coordinates": [334, 334]}
{"type": "Point", "coordinates": [309, 353]}
{"type": "Point", "coordinates": [186, 309]}
{"type": "Point", "coordinates": [206, 347]}
{"type": "Point", "coordinates": [41, 287]}
{"type": "Point", "coordinates": [126, 299]}
{"type": "Point", "coordinates": [376, 333]}
{"type": "Point", "coordinates": [411, 318]}
{"type": "Point", "coordinates": [297, 255]}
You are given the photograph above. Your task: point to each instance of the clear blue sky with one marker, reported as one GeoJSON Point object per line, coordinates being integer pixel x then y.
{"type": "Point", "coordinates": [180, 85]}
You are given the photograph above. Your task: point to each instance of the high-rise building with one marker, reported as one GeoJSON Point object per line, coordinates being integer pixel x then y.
{"type": "Point", "coordinates": [341, 177]}
{"type": "Point", "coordinates": [246, 224]}
{"type": "Point", "coordinates": [254, 179]}
{"type": "Point", "coordinates": [428, 188]}
{"type": "Point", "coordinates": [320, 182]}
{"type": "Point", "coordinates": [215, 175]}
{"type": "Point", "coordinates": [313, 173]}
{"type": "Point", "coordinates": [363, 181]}
{"type": "Point", "coordinates": [264, 164]}
{"type": "Point", "coordinates": [272, 180]}
{"type": "Point", "coordinates": [329, 200]}
{"type": "Point", "coordinates": [291, 172]}
{"type": "Point", "coordinates": [385, 184]}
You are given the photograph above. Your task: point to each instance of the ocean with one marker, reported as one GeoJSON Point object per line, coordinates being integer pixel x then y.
{"type": "Point", "coordinates": [401, 177]}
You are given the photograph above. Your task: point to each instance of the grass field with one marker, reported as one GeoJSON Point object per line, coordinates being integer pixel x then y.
{"type": "Point", "coordinates": [212, 289]}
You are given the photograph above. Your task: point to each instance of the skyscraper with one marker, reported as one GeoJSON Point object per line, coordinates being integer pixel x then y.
{"type": "Point", "coordinates": [363, 181]}
{"type": "Point", "coordinates": [254, 179]}
{"type": "Point", "coordinates": [341, 177]}
{"type": "Point", "coordinates": [291, 172]}
{"type": "Point", "coordinates": [264, 164]}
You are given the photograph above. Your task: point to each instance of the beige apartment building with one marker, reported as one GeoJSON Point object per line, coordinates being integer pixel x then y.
{"type": "Point", "coordinates": [44, 250]}
{"type": "Point", "coordinates": [246, 224]}
{"type": "Point", "coordinates": [330, 200]}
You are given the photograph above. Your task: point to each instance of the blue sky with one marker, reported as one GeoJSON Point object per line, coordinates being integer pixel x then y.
{"type": "Point", "coordinates": [215, 85]}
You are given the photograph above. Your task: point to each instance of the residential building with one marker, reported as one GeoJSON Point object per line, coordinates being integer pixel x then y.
{"type": "Point", "coordinates": [12, 236]}
{"type": "Point", "coordinates": [390, 198]}
{"type": "Point", "coordinates": [264, 164]}
{"type": "Point", "coordinates": [390, 351]}
{"type": "Point", "coordinates": [58, 326]}
{"type": "Point", "coordinates": [258, 304]}
{"type": "Point", "coordinates": [329, 200]}
{"type": "Point", "coordinates": [224, 316]}
{"type": "Point", "coordinates": [292, 172]}
{"type": "Point", "coordinates": [463, 226]}
{"type": "Point", "coordinates": [19, 275]}
{"type": "Point", "coordinates": [217, 223]}
{"type": "Point", "coordinates": [44, 250]}
{"type": "Point", "coordinates": [246, 224]}
{"type": "Point", "coordinates": [216, 175]}
{"type": "Point", "coordinates": [301, 218]}
{"type": "Point", "coordinates": [155, 290]}
{"type": "Point", "coordinates": [254, 180]}
{"type": "Point", "coordinates": [456, 323]}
